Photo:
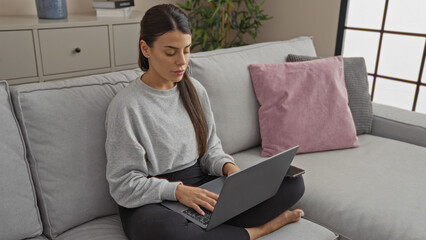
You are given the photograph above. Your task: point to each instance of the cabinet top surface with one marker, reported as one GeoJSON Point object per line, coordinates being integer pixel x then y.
{"type": "Point", "coordinates": [73, 20]}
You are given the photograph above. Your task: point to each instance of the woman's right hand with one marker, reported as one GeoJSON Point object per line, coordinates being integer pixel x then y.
{"type": "Point", "coordinates": [194, 197]}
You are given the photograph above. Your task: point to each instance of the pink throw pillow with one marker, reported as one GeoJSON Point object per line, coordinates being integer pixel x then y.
{"type": "Point", "coordinates": [303, 103]}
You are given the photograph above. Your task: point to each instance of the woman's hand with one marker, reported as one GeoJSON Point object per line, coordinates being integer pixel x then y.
{"type": "Point", "coordinates": [230, 168]}
{"type": "Point", "coordinates": [194, 197]}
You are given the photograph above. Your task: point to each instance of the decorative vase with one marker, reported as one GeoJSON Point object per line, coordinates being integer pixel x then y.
{"type": "Point", "coordinates": [51, 9]}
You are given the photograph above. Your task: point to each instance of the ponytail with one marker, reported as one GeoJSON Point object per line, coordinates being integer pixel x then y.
{"type": "Point", "coordinates": [193, 106]}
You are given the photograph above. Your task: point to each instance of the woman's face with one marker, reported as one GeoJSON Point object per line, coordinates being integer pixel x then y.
{"type": "Point", "coordinates": [168, 58]}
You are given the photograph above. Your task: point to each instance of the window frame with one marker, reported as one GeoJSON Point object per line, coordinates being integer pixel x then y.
{"type": "Point", "coordinates": [344, 4]}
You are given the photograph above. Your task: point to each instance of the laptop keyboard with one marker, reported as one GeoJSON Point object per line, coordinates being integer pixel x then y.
{"type": "Point", "coordinates": [200, 218]}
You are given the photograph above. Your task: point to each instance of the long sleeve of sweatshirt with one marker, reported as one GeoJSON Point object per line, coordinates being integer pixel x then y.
{"type": "Point", "coordinates": [150, 133]}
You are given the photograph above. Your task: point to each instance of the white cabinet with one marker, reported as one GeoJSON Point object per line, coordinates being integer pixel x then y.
{"type": "Point", "coordinates": [126, 35]}
{"type": "Point", "coordinates": [33, 50]}
{"type": "Point", "coordinates": [74, 49]}
{"type": "Point", "coordinates": [17, 55]}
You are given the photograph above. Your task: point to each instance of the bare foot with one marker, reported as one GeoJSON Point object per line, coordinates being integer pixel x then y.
{"type": "Point", "coordinates": [286, 218]}
{"type": "Point", "coordinates": [280, 221]}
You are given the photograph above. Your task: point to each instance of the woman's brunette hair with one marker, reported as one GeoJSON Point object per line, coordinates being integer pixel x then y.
{"type": "Point", "coordinates": [157, 21]}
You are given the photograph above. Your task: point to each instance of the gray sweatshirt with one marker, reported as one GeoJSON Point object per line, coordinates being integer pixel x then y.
{"type": "Point", "coordinates": [149, 133]}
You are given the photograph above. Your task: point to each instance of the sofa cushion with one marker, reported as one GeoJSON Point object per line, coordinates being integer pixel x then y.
{"type": "Point", "coordinates": [372, 192]}
{"type": "Point", "coordinates": [63, 123]}
{"type": "Point", "coordinates": [105, 228]}
{"type": "Point", "coordinates": [357, 86]}
{"type": "Point", "coordinates": [225, 75]}
{"type": "Point", "coordinates": [109, 228]}
{"type": "Point", "coordinates": [303, 103]}
{"type": "Point", "coordinates": [19, 215]}
{"type": "Point", "coordinates": [41, 237]}
{"type": "Point", "coordinates": [375, 191]}
{"type": "Point", "coordinates": [303, 229]}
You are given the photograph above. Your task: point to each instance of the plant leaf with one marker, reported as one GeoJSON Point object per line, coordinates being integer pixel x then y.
{"type": "Point", "coordinates": [223, 23]}
{"type": "Point", "coordinates": [215, 12]}
{"type": "Point", "coordinates": [184, 7]}
{"type": "Point", "coordinates": [230, 3]}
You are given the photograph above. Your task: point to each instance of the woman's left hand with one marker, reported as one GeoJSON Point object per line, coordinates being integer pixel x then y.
{"type": "Point", "coordinates": [230, 168]}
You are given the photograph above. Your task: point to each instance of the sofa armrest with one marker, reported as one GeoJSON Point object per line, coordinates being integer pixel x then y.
{"type": "Point", "coordinates": [399, 124]}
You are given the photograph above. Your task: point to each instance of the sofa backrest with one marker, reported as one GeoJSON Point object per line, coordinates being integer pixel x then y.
{"type": "Point", "coordinates": [63, 124]}
{"type": "Point", "coordinates": [225, 75]}
{"type": "Point", "coordinates": [19, 215]}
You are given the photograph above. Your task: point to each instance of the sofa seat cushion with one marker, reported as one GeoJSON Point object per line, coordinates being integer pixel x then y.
{"type": "Point", "coordinates": [109, 228]}
{"type": "Point", "coordinates": [63, 123]}
{"type": "Point", "coordinates": [303, 229]}
{"type": "Point", "coordinates": [105, 228]}
{"type": "Point", "coordinates": [19, 215]}
{"type": "Point", "coordinates": [41, 237]}
{"type": "Point", "coordinates": [375, 191]}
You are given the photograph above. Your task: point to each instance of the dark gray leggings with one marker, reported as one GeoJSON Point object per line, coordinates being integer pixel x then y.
{"type": "Point", "coordinates": [153, 221]}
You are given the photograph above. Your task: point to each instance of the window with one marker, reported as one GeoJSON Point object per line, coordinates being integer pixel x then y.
{"type": "Point", "coordinates": [391, 36]}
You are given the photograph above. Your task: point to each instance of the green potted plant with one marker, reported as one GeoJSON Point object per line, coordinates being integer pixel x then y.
{"type": "Point", "coordinates": [223, 23]}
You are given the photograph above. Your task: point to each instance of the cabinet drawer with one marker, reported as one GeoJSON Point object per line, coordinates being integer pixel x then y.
{"type": "Point", "coordinates": [74, 49]}
{"type": "Point", "coordinates": [126, 42]}
{"type": "Point", "coordinates": [17, 57]}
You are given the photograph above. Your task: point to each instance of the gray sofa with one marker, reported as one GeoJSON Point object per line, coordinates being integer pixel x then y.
{"type": "Point", "coordinates": [52, 158]}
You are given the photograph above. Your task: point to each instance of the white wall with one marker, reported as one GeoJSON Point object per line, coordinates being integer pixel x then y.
{"type": "Point", "coordinates": [292, 18]}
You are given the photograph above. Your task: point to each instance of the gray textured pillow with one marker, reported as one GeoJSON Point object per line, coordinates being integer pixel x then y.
{"type": "Point", "coordinates": [357, 87]}
{"type": "Point", "coordinates": [19, 215]}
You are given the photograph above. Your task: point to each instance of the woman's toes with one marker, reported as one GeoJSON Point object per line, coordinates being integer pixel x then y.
{"type": "Point", "coordinates": [295, 215]}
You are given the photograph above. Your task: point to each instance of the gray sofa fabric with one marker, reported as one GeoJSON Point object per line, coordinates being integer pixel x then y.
{"type": "Point", "coordinates": [19, 215]}
{"type": "Point", "coordinates": [224, 73]}
{"type": "Point", "coordinates": [105, 228]}
{"type": "Point", "coordinates": [370, 192]}
{"type": "Point", "coordinates": [109, 228]}
{"type": "Point", "coordinates": [41, 237]}
{"type": "Point", "coordinates": [399, 124]}
{"type": "Point", "coordinates": [303, 229]}
{"type": "Point", "coordinates": [63, 124]}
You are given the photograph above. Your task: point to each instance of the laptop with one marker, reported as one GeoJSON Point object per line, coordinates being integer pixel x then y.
{"type": "Point", "coordinates": [239, 191]}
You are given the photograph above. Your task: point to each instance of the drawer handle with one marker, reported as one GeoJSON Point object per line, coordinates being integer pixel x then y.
{"type": "Point", "coordinates": [77, 50]}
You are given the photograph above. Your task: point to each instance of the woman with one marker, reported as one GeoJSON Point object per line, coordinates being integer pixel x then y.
{"type": "Point", "coordinates": [162, 144]}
